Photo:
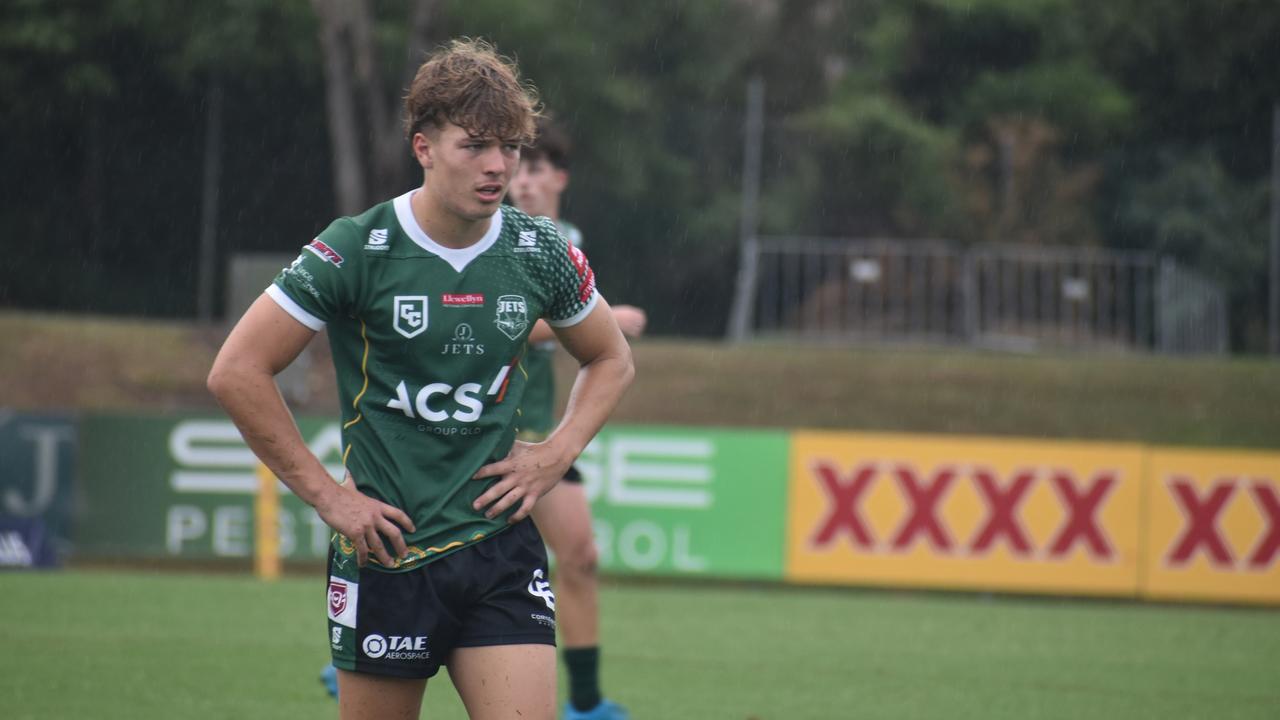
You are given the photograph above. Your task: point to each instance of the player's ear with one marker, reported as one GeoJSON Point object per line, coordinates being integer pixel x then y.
{"type": "Point", "coordinates": [423, 150]}
{"type": "Point", "coordinates": [559, 180]}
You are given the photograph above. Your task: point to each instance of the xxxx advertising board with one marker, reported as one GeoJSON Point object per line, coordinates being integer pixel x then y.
{"type": "Point", "coordinates": [686, 501]}
{"type": "Point", "coordinates": [964, 513]}
{"type": "Point", "coordinates": [1213, 526]}
{"type": "Point", "coordinates": [183, 487]}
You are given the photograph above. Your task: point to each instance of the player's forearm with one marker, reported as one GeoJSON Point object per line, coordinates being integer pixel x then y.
{"type": "Point", "coordinates": [596, 391]}
{"type": "Point", "coordinates": [253, 402]}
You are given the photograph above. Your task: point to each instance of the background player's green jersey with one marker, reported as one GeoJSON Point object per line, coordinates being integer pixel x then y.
{"type": "Point", "coordinates": [537, 418]}
{"type": "Point", "coordinates": [427, 343]}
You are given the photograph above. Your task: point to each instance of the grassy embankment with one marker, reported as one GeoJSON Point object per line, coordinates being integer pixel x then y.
{"type": "Point", "coordinates": [76, 363]}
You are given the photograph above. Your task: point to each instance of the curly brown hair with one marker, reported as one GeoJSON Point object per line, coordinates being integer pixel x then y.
{"type": "Point", "coordinates": [470, 85]}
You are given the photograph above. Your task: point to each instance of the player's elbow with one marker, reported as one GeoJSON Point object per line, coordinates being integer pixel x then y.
{"type": "Point", "coordinates": [223, 377]}
{"type": "Point", "coordinates": [628, 365]}
{"type": "Point", "coordinates": [217, 382]}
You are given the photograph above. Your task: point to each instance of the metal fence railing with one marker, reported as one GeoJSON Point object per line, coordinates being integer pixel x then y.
{"type": "Point", "coordinates": [1005, 296]}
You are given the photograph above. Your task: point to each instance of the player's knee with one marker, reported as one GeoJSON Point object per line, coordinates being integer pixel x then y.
{"type": "Point", "coordinates": [580, 560]}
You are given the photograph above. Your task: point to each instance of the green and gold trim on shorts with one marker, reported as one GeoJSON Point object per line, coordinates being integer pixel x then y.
{"type": "Point", "coordinates": [415, 555]}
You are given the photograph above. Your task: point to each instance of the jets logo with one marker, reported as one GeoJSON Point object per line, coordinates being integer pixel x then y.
{"type": "Point", "coordinates": [513, 316]}
{"type": "Point", "coordinates": [410, 315]}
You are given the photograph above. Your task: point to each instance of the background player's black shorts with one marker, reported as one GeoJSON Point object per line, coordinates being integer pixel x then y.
{"type": "Point", "coordinates": [572, 475]}
{"type": "Point", "coordinates": [406, 624]}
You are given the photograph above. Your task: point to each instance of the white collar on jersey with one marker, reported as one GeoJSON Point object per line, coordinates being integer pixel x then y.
{"type": "Point", "coordinates": [459, 258]}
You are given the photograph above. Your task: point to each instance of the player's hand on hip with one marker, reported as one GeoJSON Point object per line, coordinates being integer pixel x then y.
{"type": "Point", "coordinates": [527, 473]}
{"type": "Point", "coordinates": [365, 522]}
{"type": "Point", "coordinates": [631, 319]}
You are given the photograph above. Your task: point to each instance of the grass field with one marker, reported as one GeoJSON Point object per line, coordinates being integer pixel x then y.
{"type": "Point", "coordinates": [122, 645]}
{"type": "Point", "coordinates": [97, 644]}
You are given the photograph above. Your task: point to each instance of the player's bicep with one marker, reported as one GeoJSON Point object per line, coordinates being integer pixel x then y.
{"type": "Point", "coordinates": [266, 338]}
{"type": "Point", "coordinates": [595, 336]}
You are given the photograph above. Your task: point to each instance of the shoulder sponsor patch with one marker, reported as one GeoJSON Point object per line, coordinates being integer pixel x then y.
{"type": "Point", "coordinates": [324, 252]}
{"type": "Point", "coordinates": [586, 276]}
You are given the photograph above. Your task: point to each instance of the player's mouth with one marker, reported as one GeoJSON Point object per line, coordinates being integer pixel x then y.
{"type": "Point", "coordinates": [489, 192]}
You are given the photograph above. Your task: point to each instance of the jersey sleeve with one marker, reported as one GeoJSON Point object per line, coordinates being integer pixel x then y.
{"type": "Point", "coordinates": [573, 285]}
{"type": "Point", "coordinates": [316, 286]}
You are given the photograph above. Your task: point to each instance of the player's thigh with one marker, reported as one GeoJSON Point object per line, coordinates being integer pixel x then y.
{"type": "Point", "coordinates": [500, 682]}
{"type": "Point", "coordinates": [362, 696]}
{"type": "Point", "coordinates": [563, 516]}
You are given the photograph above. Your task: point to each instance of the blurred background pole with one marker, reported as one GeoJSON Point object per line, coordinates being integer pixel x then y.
{"type": "Point", "coordinates": [266, 535]}
{"type": "Point", "coordinates": [740, 316]}
{"type": "Point", "coordinates": [209, 202]}
{"type": "Point", "coordinates": [1273, 306]}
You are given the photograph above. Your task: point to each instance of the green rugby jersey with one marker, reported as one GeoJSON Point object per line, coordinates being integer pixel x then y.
{"type": "Point", "coordinates": [537, 418]}
{"type": "Point", "coordinates": [427, 343]}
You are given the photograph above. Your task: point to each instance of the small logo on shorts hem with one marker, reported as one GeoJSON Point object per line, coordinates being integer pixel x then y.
{"type": "Point", "coordinates": [544, 620]}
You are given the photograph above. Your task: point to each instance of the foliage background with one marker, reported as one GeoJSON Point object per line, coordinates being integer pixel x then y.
{"type": "Point", "coordinates": [1134, 124]}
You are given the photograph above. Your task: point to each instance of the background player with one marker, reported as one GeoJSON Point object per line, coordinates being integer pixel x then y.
{"type": "Point", "coordinates": [563, 515]}
{"type": "Point", "coordinates": [429, 303]}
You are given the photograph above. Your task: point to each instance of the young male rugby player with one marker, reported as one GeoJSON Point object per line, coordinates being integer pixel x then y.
{"type": "Point", "coordinates": [429, 299]}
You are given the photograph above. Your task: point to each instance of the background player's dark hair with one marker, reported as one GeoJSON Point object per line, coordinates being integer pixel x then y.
{"type": "Point", "coordinates": [552, 144]}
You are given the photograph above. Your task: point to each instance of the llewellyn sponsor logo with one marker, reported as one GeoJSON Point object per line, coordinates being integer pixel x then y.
{"type": "Point", "coordinates": [462, 300]}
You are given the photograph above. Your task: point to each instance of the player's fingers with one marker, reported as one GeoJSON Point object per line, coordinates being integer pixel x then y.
{"type": "Point", "coordinates": [393, 534]}
{"type": "Point", "coordinates": [377, 548]}
{"type": "Point", "coordinates": [504, 502]}
{"type": "Point", "coordinates": [526, 507]}
{"type": "Point", "coordinates": [398, 516]}
{"type": "Point", "coordinates": [362, 550]}
{"type": "Point", "coordinates": [499, 489]}
{"type": "Point", "coordinates": [492, 470]}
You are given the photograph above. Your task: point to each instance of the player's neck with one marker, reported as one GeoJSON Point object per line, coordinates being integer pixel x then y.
{"type": "Point", "coordinates": [443, 225]}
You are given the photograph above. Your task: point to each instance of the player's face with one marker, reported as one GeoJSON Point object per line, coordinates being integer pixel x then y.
{"type": "Point", "coordinates": [467, 175]}
{"type": "Point", "coordinates": [537, 187]}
